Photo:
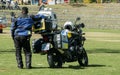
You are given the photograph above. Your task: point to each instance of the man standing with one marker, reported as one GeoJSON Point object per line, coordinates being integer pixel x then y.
{"type": "Point", "coordinates": [21, 33]}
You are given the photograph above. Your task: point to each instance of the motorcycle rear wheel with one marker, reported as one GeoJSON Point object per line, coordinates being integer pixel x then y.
{"type": "Point", "coordinates": [54, 60]}
{"type": "Point", "coordinates": [83, 58]}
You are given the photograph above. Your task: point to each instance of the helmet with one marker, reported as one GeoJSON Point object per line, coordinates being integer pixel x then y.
{"type": "Point", "coordinates": [68, 25]}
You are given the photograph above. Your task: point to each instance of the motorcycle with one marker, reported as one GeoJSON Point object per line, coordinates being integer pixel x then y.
{"type": "Point", "coordinates": [62, 45]}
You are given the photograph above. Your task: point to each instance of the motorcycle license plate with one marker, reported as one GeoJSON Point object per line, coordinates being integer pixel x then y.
{"type": "Point", "coordinates": [45, 46]}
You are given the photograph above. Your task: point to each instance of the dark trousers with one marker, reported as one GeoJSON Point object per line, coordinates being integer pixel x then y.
{"type": "Point", "coordinates": [23, 42]}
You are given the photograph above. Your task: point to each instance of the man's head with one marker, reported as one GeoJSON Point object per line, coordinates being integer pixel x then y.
{"type": "Point", "coordinates": [24, 10]}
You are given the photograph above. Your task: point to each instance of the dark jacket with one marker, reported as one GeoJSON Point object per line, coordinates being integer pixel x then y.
{"type": "Point", "coordinates": [22, 26]}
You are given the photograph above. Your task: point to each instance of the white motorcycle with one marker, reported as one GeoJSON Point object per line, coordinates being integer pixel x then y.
{"type": "Point", "coordinates": [65, 45]}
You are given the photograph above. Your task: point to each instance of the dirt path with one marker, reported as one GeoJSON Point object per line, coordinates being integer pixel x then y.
{"type": "Point", "coordinates": [103, 36]}
{"type": "Point", "coordinates": [95, 36]}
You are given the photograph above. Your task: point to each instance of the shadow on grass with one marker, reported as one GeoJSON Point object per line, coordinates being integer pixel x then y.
{"type": "Point", "coordinates": [40, 67]}
{"type": "Point", "coordinates": [7, 51]}
{"type": "Point", "coordinates": [103, 51]}
{"type": "Point", "coordinates": [81, 67]}
{"type": "Point", "coordinates": [71, 67]}
{"type": "Point", "coordinates": [74, 67]}
{"type": "Point", "coordinates": [96, 65]}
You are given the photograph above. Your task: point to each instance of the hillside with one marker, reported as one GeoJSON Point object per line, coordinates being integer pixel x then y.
{"type": "Point", "coordinates": [93, 15]}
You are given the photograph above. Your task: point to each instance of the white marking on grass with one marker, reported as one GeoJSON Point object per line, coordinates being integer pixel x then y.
{"type": "Point", "coordinates": [39, 64]}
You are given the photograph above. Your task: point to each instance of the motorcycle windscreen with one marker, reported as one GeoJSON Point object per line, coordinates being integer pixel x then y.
{"type": "Point", "coordinates": [64, 35]}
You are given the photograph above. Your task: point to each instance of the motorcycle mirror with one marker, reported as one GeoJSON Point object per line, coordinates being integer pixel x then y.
{"type": "Point", "coordinates": [78, 18]}
{"type": "Point", "coordinates": [82, 25]}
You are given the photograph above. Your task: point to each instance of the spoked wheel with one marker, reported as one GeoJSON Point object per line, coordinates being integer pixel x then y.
{"type": "Point", "coordinates": [54, 60]}
{"type": "Point", "coordinates": [83, 58]}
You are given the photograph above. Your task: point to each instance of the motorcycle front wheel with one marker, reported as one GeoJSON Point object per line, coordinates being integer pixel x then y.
{"type": "Point", "coordinates": [83, 58]}
{"type": "Point", "coordinates": [54, 60]}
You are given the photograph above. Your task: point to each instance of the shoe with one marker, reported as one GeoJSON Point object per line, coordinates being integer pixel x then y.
{"type": "Point", "coordinates": [20, 67]}
{"type": "Point", "coordinates": [29, 67]}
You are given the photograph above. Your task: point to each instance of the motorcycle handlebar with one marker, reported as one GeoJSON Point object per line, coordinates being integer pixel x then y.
{"type": "Point", "coordinates": [82, 25]}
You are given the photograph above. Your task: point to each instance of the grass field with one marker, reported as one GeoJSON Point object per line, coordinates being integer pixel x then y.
{"type": "Point", "coordinates": [102, 44]}
{"type": "Point", "coordinates": [102, 47]}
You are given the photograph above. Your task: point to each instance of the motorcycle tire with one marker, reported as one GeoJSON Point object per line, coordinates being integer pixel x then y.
{"type": "Point", "coordinates": [54, 61]}
{"type": "Point", "coordinates": [83, 58]}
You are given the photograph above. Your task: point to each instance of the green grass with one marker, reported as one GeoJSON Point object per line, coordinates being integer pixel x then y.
{"type": "Point", "coordinates": [102, 44]}
{"type": "Point", "coordinates": [103, 56]}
